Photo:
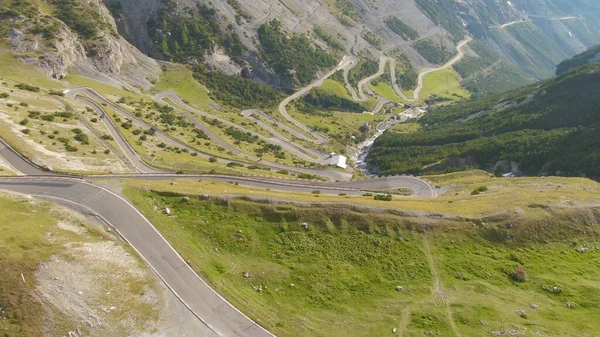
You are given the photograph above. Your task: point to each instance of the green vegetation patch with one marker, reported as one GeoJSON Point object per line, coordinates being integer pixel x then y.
{"type": "Point", "coordinates": [293, 265]}
{"type": "Point", "coordinates": [578, 60]}
{"type": "Point", "coordinates": [327, 38]}
{"type": "Point", "coordinates": [365, 67]}
{"type": "Point", "coordinates": [80, 17]}
{"type": "Point", "coordinates": [435, 54]}
{"type": "Point", "coordinates": [236, 91]}
{"type": "Point", "coordinates": [551, 128]}
{"type": "Point", "coordinates": [296, 266]}
{"type": "Point", "coordinates": [401, 28]}
{"type": "Point", "coordinates": [318, 100]}
{"type": "Point", "coordinates": [373, 38]}
{"type": "Point", "coordinates": [190, 35]}
{"type": "Point", "coordinates": [486, 73]}
{"type": "Point", "coordinates": [293, 57]}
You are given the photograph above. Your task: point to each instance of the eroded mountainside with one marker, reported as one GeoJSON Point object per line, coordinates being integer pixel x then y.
{"type": "Point", "coordinates": [526, 38]}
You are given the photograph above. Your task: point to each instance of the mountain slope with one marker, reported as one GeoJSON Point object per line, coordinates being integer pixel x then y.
{"type": "Point", "coordinates": [548, 128]}
{"type": "Point", "coordinates": [529, 37]}
{"type": "Point", "coordinates": [63, 36]}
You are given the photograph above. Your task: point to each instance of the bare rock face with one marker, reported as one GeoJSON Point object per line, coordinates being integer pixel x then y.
{"type": "Point", "coordinates": [220, 60]}
{"type": "Point", "coordinates": [108, 57]}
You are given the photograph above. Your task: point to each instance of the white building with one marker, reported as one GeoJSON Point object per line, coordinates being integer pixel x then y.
{"type": "Point", "coordinates": [338, 160]}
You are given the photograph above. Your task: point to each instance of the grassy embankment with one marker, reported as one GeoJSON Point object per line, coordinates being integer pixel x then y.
{"type": "Point", "coordinates": [339, 276]}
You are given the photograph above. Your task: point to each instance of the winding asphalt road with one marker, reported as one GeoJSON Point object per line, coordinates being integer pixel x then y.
{"type": "Point", "coordinates": [213, 310]}
{"type": "Point", "coordinates": [82, 92]}
{"type": "Point", "coordinates": [319, 138]}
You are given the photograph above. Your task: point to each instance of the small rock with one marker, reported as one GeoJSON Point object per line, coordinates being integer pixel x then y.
{"type": "Point", "coordinates": [400, 238]}
{"type": "Point", "coordinates": [186, 199]}
{"type": "Point", "coordinates": [172, 183]}
{"type": "Point", "coordinates": [533, 306]}
{"type": "Point", "coordinates": [394, 330]}
{"type": "Point", "coordinates": [570, 305]}
{"type": "Point", "coordinates": [429, 333]}
{"type": "Point", "coordinates": [204, 197]}
{"type": "Point", "coordinates": [246, 275]}
{"type": "Point", "coordinates": [399, 288]}
{"type": "Point", "coordinates": [304, 225]}
{"type": "Point", "coordinates": [582, 249]}
{"type": "Point", "coordinates": [292, 285]}
{"type": "Point", "coordinates": [217, 250]}
{"type": "Point", "coordinates": [167, 211]}
{"type": "Point", "coordinates": [521, 312]}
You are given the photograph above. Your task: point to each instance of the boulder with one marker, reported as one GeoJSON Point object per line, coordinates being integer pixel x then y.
{"type": "Point", "coordinates": [167, 211]}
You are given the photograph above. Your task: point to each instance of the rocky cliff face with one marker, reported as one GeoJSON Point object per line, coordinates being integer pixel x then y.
{"type": "Point", "coordinates": [108, 58]}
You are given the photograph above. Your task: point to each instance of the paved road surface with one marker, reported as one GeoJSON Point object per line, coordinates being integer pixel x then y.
{"type": "Point", "coordinates": [218, 314]}
{"type": "Point", "coordinates": [319, 138]}
{"type": "Point", "coordinates": [333, 175]}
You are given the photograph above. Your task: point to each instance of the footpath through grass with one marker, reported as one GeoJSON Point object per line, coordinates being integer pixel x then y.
{"type": "Point", "coordinates": [316, 270]}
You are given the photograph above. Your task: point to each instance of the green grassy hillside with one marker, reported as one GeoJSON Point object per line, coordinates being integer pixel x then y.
{"type": "Point", "coordinates": [310, 269]}
{"type": "Point", "coordinates": [548, 128]}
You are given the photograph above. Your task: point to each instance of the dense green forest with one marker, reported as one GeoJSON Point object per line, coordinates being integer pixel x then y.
{"type": "Point", "coordinates": [402, 29]}
{"type": "Point", "coordinates": [330, 40]}
{"type": "Point", "coordinates": [365, 67]}
{"type": "Point", "coordinates": [318, 100]}
{"type": "Point", "coordinates": [292, 57]}
{"type": "Point", "coordinates": [189, 35]}
{"type": "Point", "coordinates": [552, 127]}
{"type": "Point", "coordinates": [578, 60]}
{"type": "Point", "coordinates": [236, 91]}
{"type": "Point", "coordinates": [433, 53]}
{"type": "Point", "coordinates": [406, 75]}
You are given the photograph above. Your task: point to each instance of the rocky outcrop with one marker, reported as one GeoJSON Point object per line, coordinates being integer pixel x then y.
{"type": "Point", "coordinates": [108, 57]}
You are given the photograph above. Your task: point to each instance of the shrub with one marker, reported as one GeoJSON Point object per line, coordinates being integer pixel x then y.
{"type": "Point", "coordinates": [26, 131]}
{"type": "Point", "coordinates": [47, 118]}
{"type": "Point", "coordinates": [107, 151]}
{"type": "Point", "coordinates": [316, 192]}
{"type": "Point", "coordinates": [94, 120]}
{"type": "Point", "coordinates": [162, 145]}
{"type": "Point", "coordinates": [24, 86]}
{"type": "Point", "coordinates": [234, 164]}
{"type": "Point", "coordinates": [56, 93]}
{"type": "Point", "coordinates": [3, 95]}
{"type": "Point", "coordinates": [107, 137]}
{"type": "Point", "coordinates": [82, 138]}
{"type": "Point", "coordinates": [519, 274]}
{"type": "Point", "coordinates": [368, 195]}
{"type": "Point", "coordinates": [23, 104]}
{"type": "Point", "coordinates": [212, 159]}
{"type": "Point", "coordinates": [136, 132]}
{"type": "Point", "coordinates": [383, 197]}
{"type": "Point", "coordinates": [70, 148]}
{"type": "Point", "coordinates": [24, 121]}
{"type": "Point", "coordinates": [479, 190]}
{"type": "Point", "coordinates": [77, 131]}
